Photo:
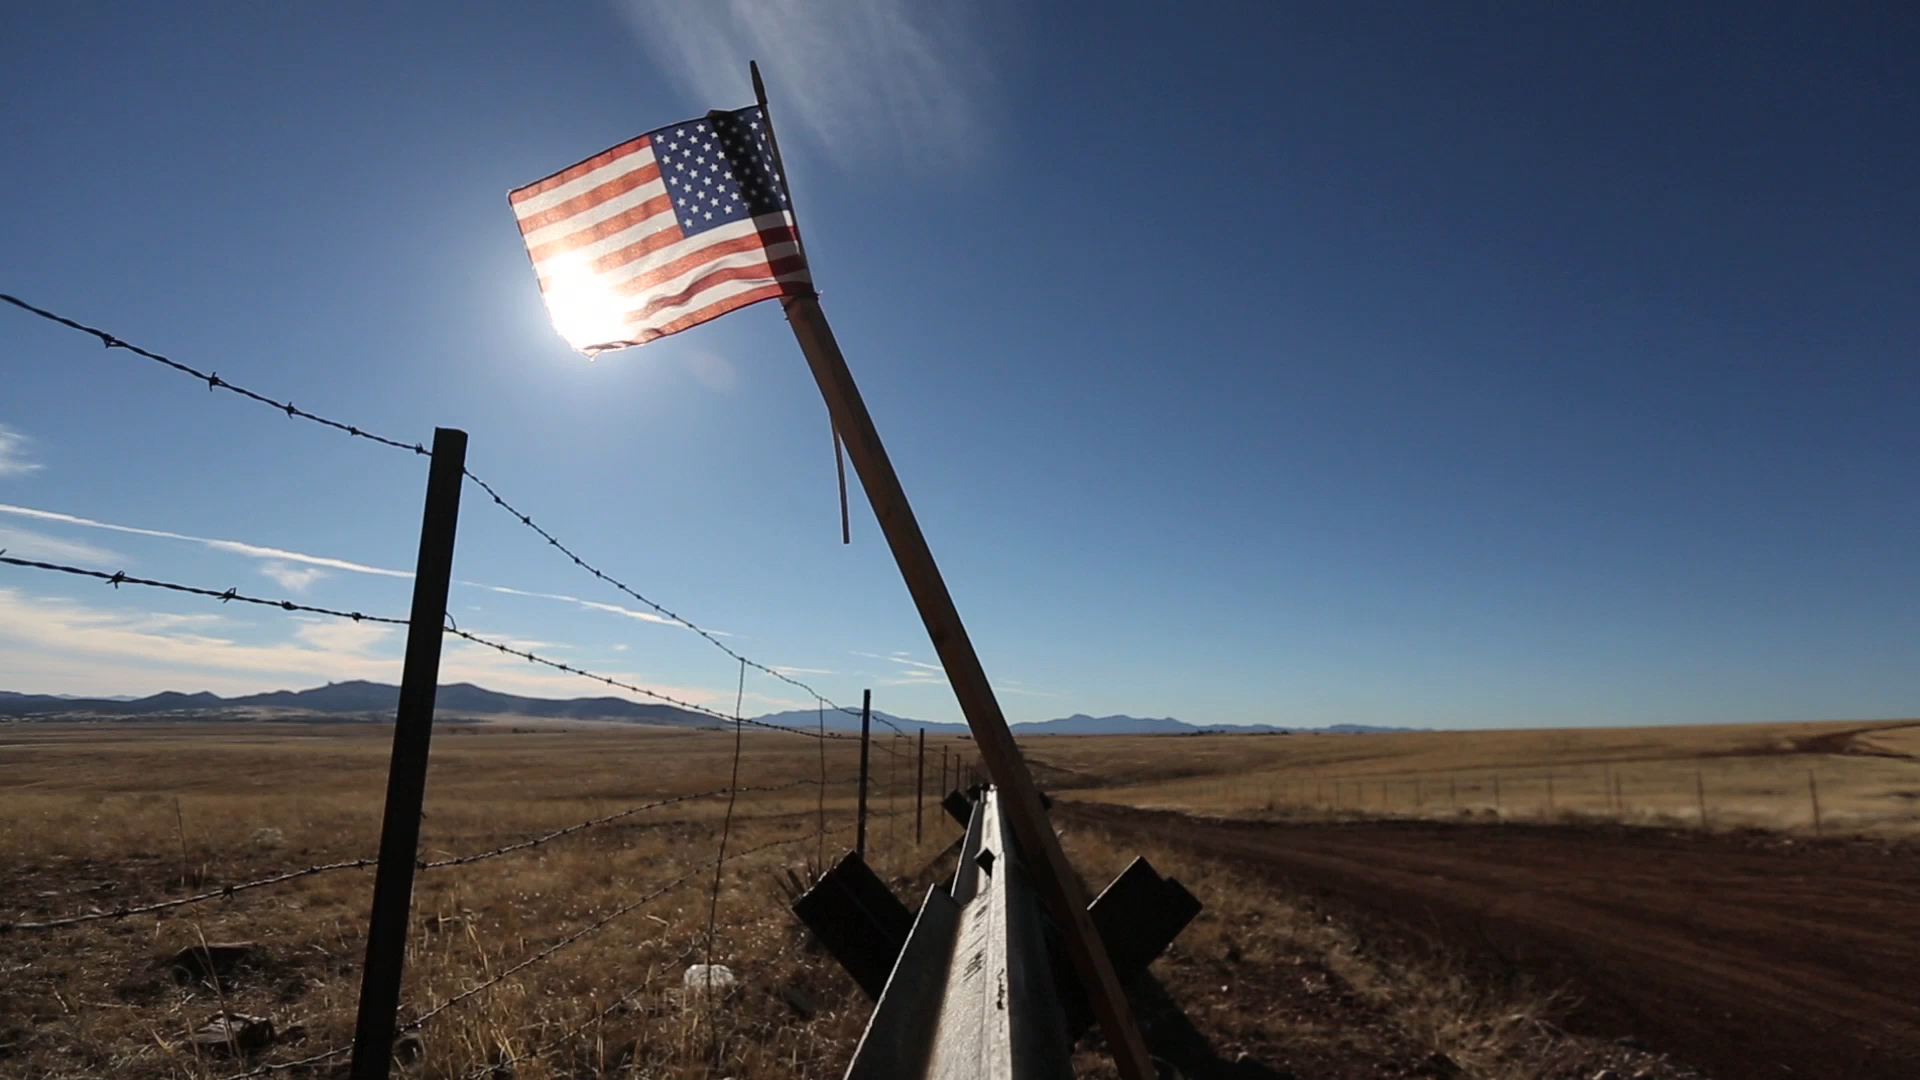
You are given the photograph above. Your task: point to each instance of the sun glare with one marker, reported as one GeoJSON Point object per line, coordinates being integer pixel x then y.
{"type": "Point", "coordinates": [584, 310]}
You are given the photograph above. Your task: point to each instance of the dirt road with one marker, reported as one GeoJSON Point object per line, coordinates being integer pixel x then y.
{"type": "Point", "coordinates": [1745, 956]}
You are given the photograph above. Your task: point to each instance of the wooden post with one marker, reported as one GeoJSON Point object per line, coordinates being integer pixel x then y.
{"type": "Point", "coordinates": [1549, 794]}
{"type": "Point", "coordinates": [943, 773]}
{"type": "Point", "coordinates": [1813, 794]}
{"type": "Point", "coordinates": [919, 787]}
{"type": "Point", "coordinates": [1453, 794]}
{"type": "Point", "coordinates": [407, 769]}
{"type": "Point", "coordinates": [1496, 795]}
{"type": "Point", "coordinates": [866, 737]}
{"type": "Point", "coordinates": [1054, 879]}
{"type": "Point", "coordinates": [1700, 789]}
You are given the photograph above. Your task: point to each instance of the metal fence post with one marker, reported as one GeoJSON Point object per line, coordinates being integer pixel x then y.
{"type": "Point", "coordinates": [407, 772]}
{"type": "Point", "coordinates": [1813, 793]}
{"type": "Point", "coordinates": [920, 787]}
{"type": "Point", "coordinates": [866, 735]}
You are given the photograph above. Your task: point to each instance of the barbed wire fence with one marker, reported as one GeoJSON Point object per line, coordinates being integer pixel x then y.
{"type": "Point", "coordinates": [722, 857]}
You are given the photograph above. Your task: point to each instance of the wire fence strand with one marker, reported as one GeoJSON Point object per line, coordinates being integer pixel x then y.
{"type": "Point", "coordinates": [228, 891]}
{"type": "Point", "coordinates": [215, 382]}
{"type": "Point", "coordinates": [213, 379]}
{"type": "Point", "coordinates": [120, 577]}
{"type": "Point", "coordinates": [592, 928]}
{"type": "Point", "coordinates": [677, 702]}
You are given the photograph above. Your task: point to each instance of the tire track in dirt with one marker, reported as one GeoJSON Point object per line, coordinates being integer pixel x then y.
{"type": "Point", "coordinates": [1746, 957]}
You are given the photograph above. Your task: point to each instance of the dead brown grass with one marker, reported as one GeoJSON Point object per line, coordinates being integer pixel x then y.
{"type": "Point", "coordinates": [94, 817]}
{"type": "Point", "coordinates": [1867, 775]}
{"type": "Point", "coordinates": [97, 816]}
{"type": "Point", "coordinates": [1280, 980]}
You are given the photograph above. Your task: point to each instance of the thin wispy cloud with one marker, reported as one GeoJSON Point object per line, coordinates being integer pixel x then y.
{"type": "Point", "coordinates": [292, 578]}
{"type": "Point", "coordinates": [58, 645]}
{"type": "Point", "coordinates": [14, 460]}
{"type": "Point", "coordinates": [234, 547]}
{"type": "Point", "coordinates": [785, 670]}
{"type": "Point", "coordinates": [308, 568]}
{"type": "Point", "coordinates": [921, 673]}
{"type": "Point", "coordinates": [902, 658]}
{"type": "Point", "coordinates": [860, 79]}
{"type": "Point", "coordinates": [28, 544]}
{"type": "Point", "coordinates": [1004, 688]}
{"type": "Point", "coordinates": [590, 605]}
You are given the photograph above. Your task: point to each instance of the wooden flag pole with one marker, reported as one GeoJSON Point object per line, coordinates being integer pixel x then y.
{"type": "Point", "coordinates": [1053, 876]}
{"type": "Point", "coordinates": [1059, 888]}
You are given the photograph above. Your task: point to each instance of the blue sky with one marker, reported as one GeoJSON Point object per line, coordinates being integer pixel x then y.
{"type": "Point", "coordinates": [1463, 365]}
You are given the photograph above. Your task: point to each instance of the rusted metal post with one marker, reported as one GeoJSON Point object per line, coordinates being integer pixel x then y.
{"type": "Point", "coordinates": [866, 737]}
{"type": "Point", "coordinates": [407, 771]}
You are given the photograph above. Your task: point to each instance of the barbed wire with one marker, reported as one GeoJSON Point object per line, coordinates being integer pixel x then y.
{"type": "Point", "coordinates": [545, 838]}
{"type": "Point", "coordinates": [680, 703]}
{"type": "Point", "coordinates": [215, 382]}
{"type": "Point", "coordinates": [283, 1066]}
{"type": "Point", "coordinates": [197, 898]}
{"type": "Point", "coordinates": [213, 379]}
{"type": "Point", "coordinates": [555, 543]}
{"type": "Point", "coordinates": [726, 823]}
{"type": "Point", "coordinates": [593, 927]}
{"type": "Point", "coordinates": [121, 577]}
{"type": "Point", "coordinates": [226, 891]}
{"type": "Point", "coordinates": [508, 1061]}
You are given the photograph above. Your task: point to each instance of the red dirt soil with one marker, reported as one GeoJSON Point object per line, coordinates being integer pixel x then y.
{"type": "Point", "coordinates": [1747, 956]}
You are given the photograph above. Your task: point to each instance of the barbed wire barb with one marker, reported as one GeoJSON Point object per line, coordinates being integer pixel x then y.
{"type": "Point", "coordinates": [121, 577]}
{"type": "Point", "coordinates": [213, 380]}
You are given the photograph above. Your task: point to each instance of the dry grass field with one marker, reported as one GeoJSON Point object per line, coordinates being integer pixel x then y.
{"type": "Point", "coordinates": [1866, 775]}
{"type": "Point", "coordinates": [94, 817]}
{"type": "Point", "coordinates": [565, 959]}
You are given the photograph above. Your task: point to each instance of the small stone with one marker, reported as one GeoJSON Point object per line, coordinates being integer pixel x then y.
{"type": "Point", "coordinates": [213, 960]}
{"type": "Point", "coordinates": [718, 977]}
{"type": "Point", "coordinates": [230, 1032]}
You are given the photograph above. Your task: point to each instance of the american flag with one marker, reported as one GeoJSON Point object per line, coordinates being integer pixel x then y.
{"type": "Point", "coordinates": [663, 232]}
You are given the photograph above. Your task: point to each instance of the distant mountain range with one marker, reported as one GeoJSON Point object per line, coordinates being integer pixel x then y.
{"type": "Point", "coordinates": [1077, 724]}
{"type": "Point", "coordinates": [353, 700]}
{"type": "Point", "coordinates": [372, 702]}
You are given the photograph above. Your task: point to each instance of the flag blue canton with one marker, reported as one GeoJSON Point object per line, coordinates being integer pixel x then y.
{"type": "Point", "coordinates": [719, 169]}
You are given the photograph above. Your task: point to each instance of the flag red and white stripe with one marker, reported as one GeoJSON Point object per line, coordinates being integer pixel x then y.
{"type": "Point", "coordinates": [621, 259]}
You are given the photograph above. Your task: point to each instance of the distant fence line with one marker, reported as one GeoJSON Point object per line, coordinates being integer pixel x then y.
{"type": "Point", "coordinates": [1610, 791]}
